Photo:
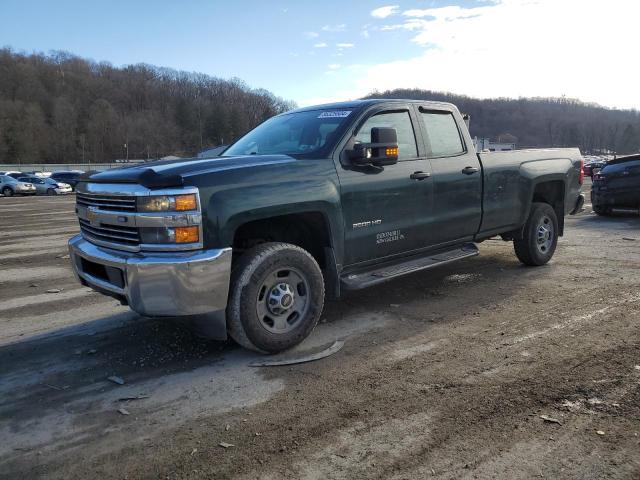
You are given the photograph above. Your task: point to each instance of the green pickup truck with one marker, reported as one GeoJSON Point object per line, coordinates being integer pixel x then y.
{"type": "Point", "coordinates": [313, 203]}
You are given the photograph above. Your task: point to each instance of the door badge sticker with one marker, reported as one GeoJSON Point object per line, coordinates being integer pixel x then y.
{"type": "Point", "coordinates": [391, 236]}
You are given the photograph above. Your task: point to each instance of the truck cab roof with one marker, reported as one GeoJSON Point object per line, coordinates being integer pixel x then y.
{"type": "Point", "coordinates": [357, 104]}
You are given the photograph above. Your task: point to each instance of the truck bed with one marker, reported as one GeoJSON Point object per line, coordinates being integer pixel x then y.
{"type": "Point", "coordinates": [509, 183]}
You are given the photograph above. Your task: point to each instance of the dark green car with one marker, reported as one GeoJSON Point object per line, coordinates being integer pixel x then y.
{"type": "Point", "coordinates": [313, 202]}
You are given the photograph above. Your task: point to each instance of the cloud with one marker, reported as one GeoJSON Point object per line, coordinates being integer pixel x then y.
{"type": "Point", "coordinates": [411, 25]}
{"type": "Point", "coordinates": [345, 45]}
{"type": "Point", "coordinates": [513, 48]}
{"type": "Point", "coordinates": [320, 45]}
{"type": "Point", "coordinates": [335, 28]}
{"type": "Point", "coordinates": [453, 12]}
{"type": "Point", "coordinates": [333, 66]}
{"type": "Point", "coordinates": [311, 34]}
{"type": "Point", "coordinates": [384, 12]}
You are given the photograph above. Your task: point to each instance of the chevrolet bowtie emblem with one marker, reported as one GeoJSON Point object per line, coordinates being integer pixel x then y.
{"type": "Point", "coordinates": [92, 216]}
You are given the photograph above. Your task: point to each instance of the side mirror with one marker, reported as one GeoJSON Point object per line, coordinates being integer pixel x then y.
{"type": "Point", "coordinates": [382, 151]}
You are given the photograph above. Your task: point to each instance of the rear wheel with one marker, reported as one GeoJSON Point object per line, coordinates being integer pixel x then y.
{"type": "Point", "coordinates": [540, 236]}
{"type": "Point", "coordinates": [276, 297]}
{"type": "Point", "coordinates": [7, 192]}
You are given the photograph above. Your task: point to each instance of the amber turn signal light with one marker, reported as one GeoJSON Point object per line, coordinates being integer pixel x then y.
{"type": "Point", "coordinates": [391, 152]}
{"type": "Point", "coordinates": [186, 202]}
{"type": "Point", "coordinates": [186, 234]}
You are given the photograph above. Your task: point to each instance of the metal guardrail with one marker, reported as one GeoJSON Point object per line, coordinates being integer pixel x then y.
{"type": "Point", "coordinates": [54, 167]}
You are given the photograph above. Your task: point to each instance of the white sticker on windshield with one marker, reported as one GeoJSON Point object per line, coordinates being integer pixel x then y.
{"type": "Point", "coordinates": [335, 114]}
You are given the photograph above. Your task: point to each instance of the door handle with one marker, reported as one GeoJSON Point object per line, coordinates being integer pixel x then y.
{"type": "Point", "coordinates": [470, 170]}
{"type": "Point", "coordinates": [419, 175]}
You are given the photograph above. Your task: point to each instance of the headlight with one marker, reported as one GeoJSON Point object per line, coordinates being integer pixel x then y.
{"type": "Point", "coordinates": [170, 235]}
{"type": "Point", "coordinates": [167, 203]}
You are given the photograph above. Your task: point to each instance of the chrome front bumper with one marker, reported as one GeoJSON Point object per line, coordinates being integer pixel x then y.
{"type": "Point", "coordinates": [156, 283]}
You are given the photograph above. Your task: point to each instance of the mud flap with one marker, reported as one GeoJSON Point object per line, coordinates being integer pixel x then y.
{"type": "Point", "coordinates": [212, 326]}
{"type": "Point", "coordinates": [578, 206]}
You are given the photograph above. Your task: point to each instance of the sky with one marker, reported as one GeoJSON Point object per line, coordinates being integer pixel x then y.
{"type": "Point", "coordinates": [322, 51]}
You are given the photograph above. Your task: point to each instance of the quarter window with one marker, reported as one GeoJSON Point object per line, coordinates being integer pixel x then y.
{"type": "Point", "coordinates": [398, 120]}
{"type": "Point", "coordinates": [443, 134]}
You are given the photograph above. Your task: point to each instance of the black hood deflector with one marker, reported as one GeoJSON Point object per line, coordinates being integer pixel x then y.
{"type": "Point", "coordinates": [147, 177]}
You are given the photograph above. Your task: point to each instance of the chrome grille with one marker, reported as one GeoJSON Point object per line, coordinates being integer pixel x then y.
{"type": "Point", "coordinates": [107, 202]}
{"type": "Point", "coordinates": [111, 233]}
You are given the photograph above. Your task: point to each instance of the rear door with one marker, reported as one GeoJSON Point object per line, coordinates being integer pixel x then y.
{"type": "Point", "coordinates": [386, 210]}
{"type": "Point", "coordinates": [457, 175]}
{"type": "Point", "coordinates": [623, 182]}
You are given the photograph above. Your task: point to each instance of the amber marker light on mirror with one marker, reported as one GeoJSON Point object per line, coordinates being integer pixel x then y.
{"type": "Point", "coordinates": [186, 202]}
{"type": "Point", "coordinates": [186, 234]}
{"type": "Point", "coordinates": [392, 152]}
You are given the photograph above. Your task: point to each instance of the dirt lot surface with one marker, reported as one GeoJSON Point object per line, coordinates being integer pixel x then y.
{"type": "Point", "coordinates": [444, 374]}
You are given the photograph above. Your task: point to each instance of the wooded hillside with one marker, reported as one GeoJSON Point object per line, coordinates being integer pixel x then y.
{"type": "Point", "coordinates": [542, 122]}
{"type": "Point", "coordinates": [62, 108]}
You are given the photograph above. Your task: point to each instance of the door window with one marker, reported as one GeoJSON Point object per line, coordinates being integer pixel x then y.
{"type": "Point", "coordinates": [443, 134]}
{"type": "Point", "coordinates": [401, 121]}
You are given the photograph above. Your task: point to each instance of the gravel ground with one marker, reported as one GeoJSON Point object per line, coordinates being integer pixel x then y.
{"type": "Point", "coordinates": [444, 374]}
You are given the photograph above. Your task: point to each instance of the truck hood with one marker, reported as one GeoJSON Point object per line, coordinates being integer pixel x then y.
{"type": "Point", "coordinates": [172, 173]}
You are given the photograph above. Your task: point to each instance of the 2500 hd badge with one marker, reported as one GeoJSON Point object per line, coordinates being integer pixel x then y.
{"type": "Point", "coordinates": [248, 241]}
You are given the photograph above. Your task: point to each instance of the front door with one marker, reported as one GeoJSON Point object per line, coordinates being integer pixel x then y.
{"type": "Point", "coordinates": [457, 177]}
{"type": "Point", "coordinates": [385, 209]}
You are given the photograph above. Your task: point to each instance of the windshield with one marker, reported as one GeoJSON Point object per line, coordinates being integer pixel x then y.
{"type": "Point", "coordinates": [296, 134]}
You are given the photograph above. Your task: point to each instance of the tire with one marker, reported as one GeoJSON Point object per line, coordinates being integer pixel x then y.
{"type": "Point", "coordinates": [7, 192]}
{"type": "Point", "coordinates": [540, 236]}
{"type": "Point", "coordinates": [51, 191]}
{"type": "Point", "coordinates": [276, 297]}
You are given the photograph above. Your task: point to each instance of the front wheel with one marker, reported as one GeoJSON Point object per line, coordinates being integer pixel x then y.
{"type": "Point", "coordinates": [7, 192]}
{"type": "Point", "coordinates": [51, 191]}
{"type": "Point", "coordinates": [276, 297]}
{"type": "Point", "coordinates": [540, 236]}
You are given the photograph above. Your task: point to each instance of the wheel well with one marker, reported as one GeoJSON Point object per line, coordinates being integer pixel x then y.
{"type": "Point", "coordinates": [553, 194]}
{"type": "Point", "coordinates": [306, 230]}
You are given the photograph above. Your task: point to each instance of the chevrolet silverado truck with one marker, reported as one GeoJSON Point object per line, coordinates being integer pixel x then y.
{"type": "Point", "coordinates": [317, 201]}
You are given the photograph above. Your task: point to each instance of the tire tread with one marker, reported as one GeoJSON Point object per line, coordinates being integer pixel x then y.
{"type": "Point", "coordinates": [241, 275]}
{"type": "Point", "coordinates": [523, 246]}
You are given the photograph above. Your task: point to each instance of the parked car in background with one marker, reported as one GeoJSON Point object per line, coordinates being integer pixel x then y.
{"type": "Point", "coordinates": [10, 186]}
{"type": "Point", "coordinates": [71, 177]}
{"type": "Point", "coordinates": [38, 173]}
{"type": "Point", "coordinates": [594, 167]}
{"type": "Point", "coordinates": [13, 173]}
{"type": "Point", "coordinates": [616, 188]}
{"type": "Point", "coordinates": [47, 186]}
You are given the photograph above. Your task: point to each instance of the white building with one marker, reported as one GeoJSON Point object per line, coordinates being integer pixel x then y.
{"type": "Point", "coordinates": [485, 144]}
